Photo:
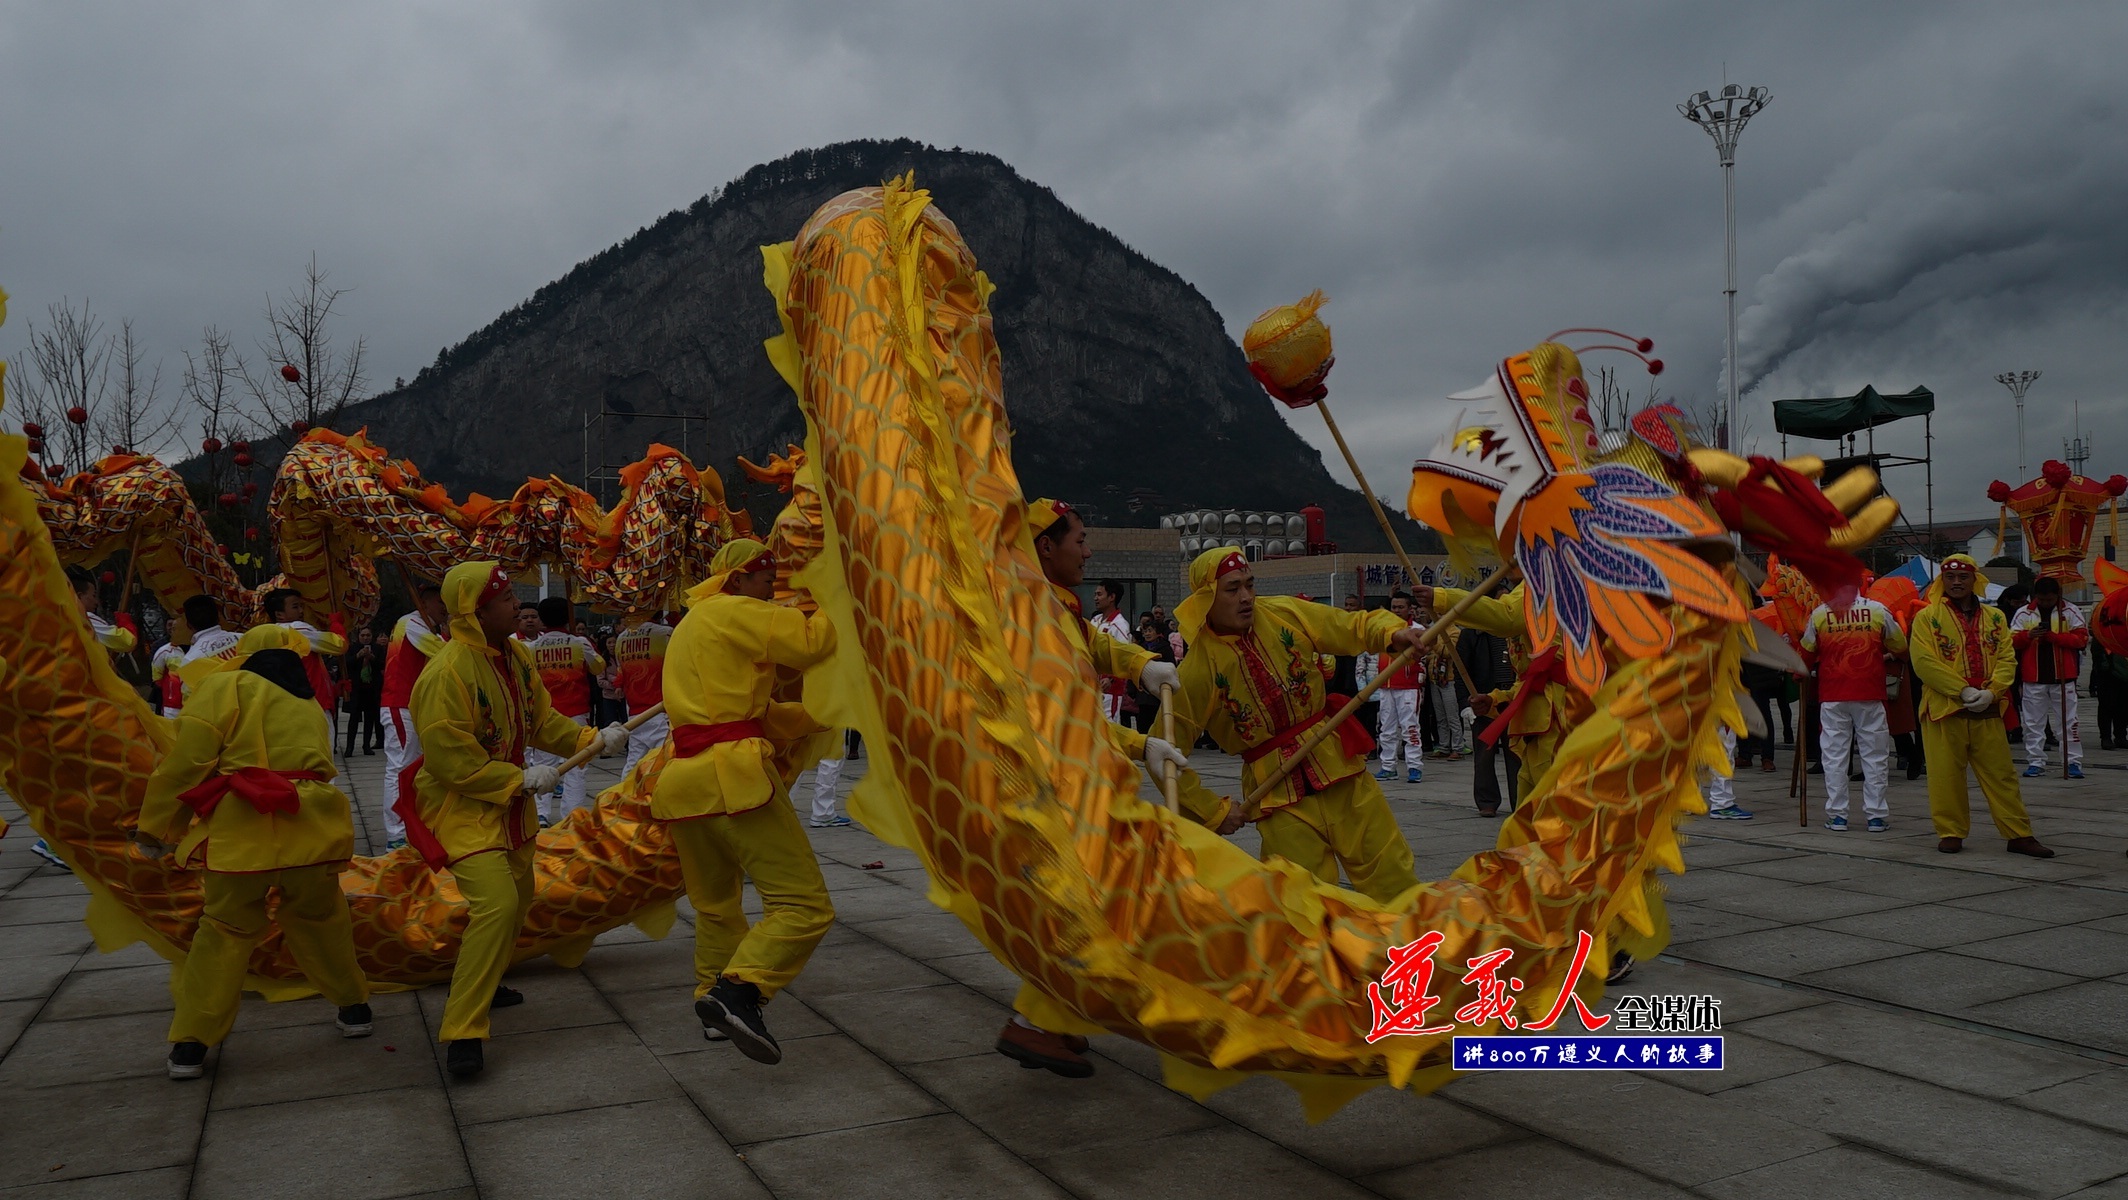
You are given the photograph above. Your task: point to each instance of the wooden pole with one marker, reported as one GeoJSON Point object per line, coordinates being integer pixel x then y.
{"type": "Point", "coordinates": [590, 752]}
{"type": "Point", "coordinates": [1252, 805]}
{"type": "Point", "coordinates": [1172, 782]}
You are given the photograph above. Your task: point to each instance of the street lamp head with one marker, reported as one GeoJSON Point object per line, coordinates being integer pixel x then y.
{"type": "Point", "coordinates": [1723, 116]}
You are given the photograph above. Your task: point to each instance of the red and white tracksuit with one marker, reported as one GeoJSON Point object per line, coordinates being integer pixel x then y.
{"type": "Point", "coordinates": [411, 646]}
{"type": "Point", "coordinates": [566, 665]}
{"type": "Point", "coordinates": [2048, 646]}
{"type": "Point", "coordinates": [1849, 646]}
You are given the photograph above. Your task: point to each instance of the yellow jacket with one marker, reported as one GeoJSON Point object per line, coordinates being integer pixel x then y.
{"type": "Point", "coordinates": [1937, 645]}
{"type": "Point", "coordinates": [719, 669]}
{"type": "Point", "coordinates": [1501, 616]}
{"type": "Point", "coordinates": [477, 709]}
{"type": "Point", "coordinates": [1124, 660]}
{"type": "Point", "coordinates": [233, 720]}
{"type": "Point", "coordinates": [1245, 690]}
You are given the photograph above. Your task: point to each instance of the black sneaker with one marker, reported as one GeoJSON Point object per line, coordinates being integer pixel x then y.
{"type": "Point", "coordinates": [354, 1021]}
{"type": "Point", "coordinates": [463, 1058]}
{"type": "Point", "coordinates": [1621, 969]}
{"type": "Point", "coordinates": [734, 1008]}
{"type": "Point", "coordinates": [188, 1060]}
{"type": "Point", "coordinates": [506, 997]}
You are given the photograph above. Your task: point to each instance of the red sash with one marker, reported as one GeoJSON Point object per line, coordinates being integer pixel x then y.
{"type": "Point", "coordinates": [690, 740]}
{"type": "Point", "coordinates": [1352, 736]}
{"type": "Point", "coordinates": [1543, 671]}
{"type": "Point", "coordinates": [268, 790]}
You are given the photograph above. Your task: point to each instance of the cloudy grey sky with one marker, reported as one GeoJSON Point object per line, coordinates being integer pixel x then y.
{"type": "Point", "coordinates": [1934, 195]}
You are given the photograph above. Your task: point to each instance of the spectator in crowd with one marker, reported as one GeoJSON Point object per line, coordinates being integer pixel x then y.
{"type": "Point", "coordinates": [528, 626]}
{"type": "Point", "coordinates": [1152, 638]}
{"type": "Point", "coordinates": [363, 670]}
{"type": "Point", "coordinates": [1444, 688]}
{"type": "Point", "coordinates": [1399, 698]}
{"type": "Point", "coordinates": [1109, 619]}
{"type": "Point", "coordinates": [1766, 685]}
{"type": "Point", "coordinates": [2109, 682]}
{"type": "Point", "coordinates": [1485, 659]}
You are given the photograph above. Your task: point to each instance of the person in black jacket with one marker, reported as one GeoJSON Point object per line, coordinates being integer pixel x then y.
{"type": "Point", "coordinates": [362, 673]}
{"type": "Point", "coordinates": [1485, 658]}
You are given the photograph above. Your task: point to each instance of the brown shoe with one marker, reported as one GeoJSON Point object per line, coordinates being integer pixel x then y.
{"type": "Point", "coordinates": [1039, 1049]}
{"type": "Point", "coordinates": [1951, 845]}
{"type": "Point", "coordinates": [2031, 846]}
{"type": "Point", "coordinates": [1488, 812]}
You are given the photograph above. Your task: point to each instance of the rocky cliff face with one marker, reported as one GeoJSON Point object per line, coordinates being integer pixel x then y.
{"type": "Point", "coordinates": [1126, 394]}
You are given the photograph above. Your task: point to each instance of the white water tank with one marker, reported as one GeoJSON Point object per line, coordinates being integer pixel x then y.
{"type": "Point", "coordinates": [1297, 527]}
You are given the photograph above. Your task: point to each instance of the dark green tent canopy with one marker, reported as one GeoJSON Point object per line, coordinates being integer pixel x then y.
{"type": "Point", "coordinates": [1838, 416]}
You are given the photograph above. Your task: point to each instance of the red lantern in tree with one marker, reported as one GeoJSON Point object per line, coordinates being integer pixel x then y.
{"type": "Point", "coordinates": [243, 460]}
{"type": "Point", "coordinates": [240, 446]}
{"type": "Point", "coordinates": [58, 469]}
{"type": "Point", "coordinates": [250, 490]}
{"type": "Point", "coordinates": [78, 415]}
{"type": "Point", "coordinates": [37, 446]}
{"type": "Point", "coordinates": [299, 428]}
{"type": "Point", "coordinates": [118, 450]}
{"type": "Point", "coordinates": [251, 533]}
{"type": "Point", "coordinates": [110, 577]}
{"type": "Point", "coordinates": [211, 446]}
{"type": "Point", "coordinates": [289, 373]}
{"type": "Point", "coordinates": [229, 500]}
{"type": "Point", "coordinates": [32, 429]}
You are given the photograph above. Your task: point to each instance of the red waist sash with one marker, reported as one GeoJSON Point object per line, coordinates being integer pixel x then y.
{"type": "Point", "coordinates": [1352, 736]}
{"type": "Point", "coordinates": [268, 790]}
{"type": "Point", "coordinates": [1544, 670]}
{"type": "Point", "coordinates": [690, 740]}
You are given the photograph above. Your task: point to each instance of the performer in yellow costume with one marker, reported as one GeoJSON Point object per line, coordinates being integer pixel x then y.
{"type": "Point", "coordinates": [1252, 681]}
{"type": "Point", "coordinates": [1962, 655]}
{"type": "Point", "coordinates": [478, 705]}
{"type": "Point", "coordinates": [1060, 547]}
{"type": "Point", "coordinates": [726, 806]}
{"type": "Point", "coordinates": [246, 796]}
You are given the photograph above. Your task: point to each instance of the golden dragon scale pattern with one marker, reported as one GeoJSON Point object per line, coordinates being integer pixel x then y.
{"type": "Point", "coordinates": [991, 762]}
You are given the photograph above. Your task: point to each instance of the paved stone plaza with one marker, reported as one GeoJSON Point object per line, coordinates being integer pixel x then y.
{"type": "Point", "coordinates": [1900, 1023]}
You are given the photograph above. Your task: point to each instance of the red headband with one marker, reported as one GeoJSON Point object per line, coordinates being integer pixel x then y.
{"type": "Point", "coordinates": [498, 583]}
{"type": "Point", "coordinates": [1228, 565]}
{"type": "Point", "coordinates": [760, 562]}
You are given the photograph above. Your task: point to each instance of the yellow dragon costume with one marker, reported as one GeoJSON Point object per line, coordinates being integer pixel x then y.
{"type": "Point", "coordinates": [990, 755]}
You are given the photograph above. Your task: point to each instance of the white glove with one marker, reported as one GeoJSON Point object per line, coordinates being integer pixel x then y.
{"type": "Point", "coordinates": [1157, 675]}
{"type": "Point", "coordinates": [1159, 752]}
{"type": "Point", "coordinates": [1984, 702]}
{"type": "Point", "coordinates": [1966, 697]}
{"type": "Point", "coordinates": [613, 739]}
{"type": "Point", "coordinates": [541, 779]}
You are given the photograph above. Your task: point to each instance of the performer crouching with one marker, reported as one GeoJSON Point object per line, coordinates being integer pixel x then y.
{"type": "Point", "coordinates": [245, 795]}
{"type": "Point", "coordinates": [478, 706]}
{"type": "Point", "coordinates": [726, 807]}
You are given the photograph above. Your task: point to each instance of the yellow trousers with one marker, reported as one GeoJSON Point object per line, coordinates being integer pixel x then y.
{"type": "Point", "coordinates": [1535, 752]}
{"type": "Point", "coordinates": [1949, 746]}
{"type": "Point", "coordinates": [497, 886]}
{"type": "Point", "coordinates": [768, 846]}
{"type": "Point", "coordinates": [313, 917]}
{"type": "Point", "coordinates": [1347, 824]}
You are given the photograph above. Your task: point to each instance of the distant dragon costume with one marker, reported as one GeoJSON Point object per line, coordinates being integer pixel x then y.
{"type": "Point", "coordinates": [990, 758]}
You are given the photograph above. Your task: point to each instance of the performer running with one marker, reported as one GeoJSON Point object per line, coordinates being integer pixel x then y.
{"type": "Point", "coordinates": [416, 638]}
{"type": "Point", "coordinates": [726, 807]}
{"type": "Point", "coordinates": [1251, 681]}
{"type": "Point", "coordinates": [2049, 635]}
{"type": "Point", "coordinates": [566, 665]}
{"type": "Point", "coordinates": [1850, 636]}
{"type": "Point", "coordinates": [284, 607]}
{"type": "Point", "coordinates": [479, 706]}
{"type": "Point", "coordinates": [1962, 654]}
{"type": "Point", "coordinates": [1061, 550]}
{"type": "Point", "coordinates": [245, 794]}
{"type": "Point", "coordinates": [640, 651]}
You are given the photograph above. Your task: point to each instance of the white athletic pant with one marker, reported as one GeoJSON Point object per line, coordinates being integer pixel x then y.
{"type": "Point", "coordinates": [1112, 705]}
{"type": "Point", "coordinates": [644, 738]}
{"type": "Point", "coordinates": [402, 745]}
{"type": "Point", "coordinates": [826, 777]}
{"type": "Point", "coordinates": [569, 795]}
{"type": "Point", "coordinates": [1859, 724]}
{"type": "Point", "coordinates": [2042, 707]}
{"type": "Point", "coordinates": [1721, 789]}
{"type": "Point", "coordinates": [1399, 725]}
{"type": "Point", "coordinates": [1448, 718]}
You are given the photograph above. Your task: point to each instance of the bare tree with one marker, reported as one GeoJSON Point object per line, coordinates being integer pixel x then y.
{"type": "Point", "coordinates": [305, 380]}
{"type": "Point", "coordinates": [135, 421]}
{"type": "Point", "coordinates": [225, 416]}
{"type": "Point", "coordinates": [63, 380]}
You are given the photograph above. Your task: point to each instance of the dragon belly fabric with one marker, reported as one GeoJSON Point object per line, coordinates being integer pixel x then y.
{"type": "Point", "coordinates": [991, 763]}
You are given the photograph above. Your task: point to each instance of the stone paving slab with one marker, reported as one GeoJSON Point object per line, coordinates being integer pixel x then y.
{"type": "Point", "coordinates": [1901, 1023]}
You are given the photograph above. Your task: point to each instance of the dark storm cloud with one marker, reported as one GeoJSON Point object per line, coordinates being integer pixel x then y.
{"type": "Point", "coordinates": [1929, 199]}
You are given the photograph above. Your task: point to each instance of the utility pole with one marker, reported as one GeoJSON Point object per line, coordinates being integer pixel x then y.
{"type": "Point", "coordinates": [1723, 118]}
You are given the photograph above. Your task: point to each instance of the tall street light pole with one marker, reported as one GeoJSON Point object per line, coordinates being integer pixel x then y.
{"type": "Point", "coordinates": [1723, 117]}
{"type": "Point", "coordinates": [2019, 382]}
